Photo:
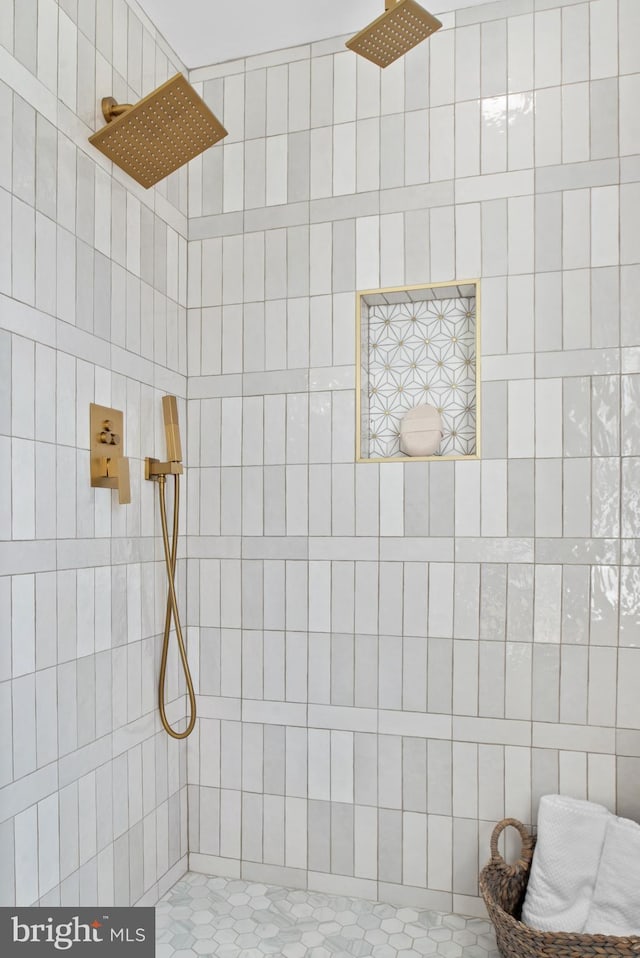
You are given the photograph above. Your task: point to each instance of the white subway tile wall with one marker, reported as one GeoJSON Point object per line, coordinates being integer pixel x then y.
{"type": "Point", "coordinates": [392, 657]}
{"type": "Point", "coordinates": [93, 286]}
{"type": "Point", "coordinates": [389, 658]}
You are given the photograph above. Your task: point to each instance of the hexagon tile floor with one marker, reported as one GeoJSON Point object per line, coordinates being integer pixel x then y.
{"type": "Point", "coordinates": [230, 918]}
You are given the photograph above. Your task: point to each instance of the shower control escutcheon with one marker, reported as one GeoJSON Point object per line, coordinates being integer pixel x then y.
{"type": "Point", "coordinates": [109, 468]}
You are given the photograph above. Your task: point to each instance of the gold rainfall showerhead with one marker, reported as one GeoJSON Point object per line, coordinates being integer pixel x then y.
{"type": "Point", "coordinates": [401, 27]}
{"type": "Point", "coordinates": [160, 133]}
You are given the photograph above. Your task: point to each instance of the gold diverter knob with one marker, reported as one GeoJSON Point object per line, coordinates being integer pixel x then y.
{"type": "Point", "coordinates": [109, 468]}
{"type": "Point", "coordinates": [108, 436]}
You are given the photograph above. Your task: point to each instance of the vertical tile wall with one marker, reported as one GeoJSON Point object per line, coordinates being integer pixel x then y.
{"type": "Point", "coordinates": [92, 308]}
{"type": "Point", "coordinates": [392, 657]}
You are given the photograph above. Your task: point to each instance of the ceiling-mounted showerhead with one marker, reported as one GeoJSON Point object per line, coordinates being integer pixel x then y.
{"type": "Point", "coordinates": [160, 133]}
{"type": "Point", "coordinates": [401, 27]}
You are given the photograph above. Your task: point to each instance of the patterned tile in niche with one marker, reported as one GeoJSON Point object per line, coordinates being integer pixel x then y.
{"type": "Point", "coordinates": [422, 352]}
{"type": "Point", "coordinates": [230, 918]}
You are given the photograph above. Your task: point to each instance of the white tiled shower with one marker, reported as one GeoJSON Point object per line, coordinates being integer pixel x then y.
{"type": "Point", "coordinates": [92, 308]}
{"type": "Point", "coordinates": [393, 657]}
{"type": "Point", "coordinates": [389, 657]}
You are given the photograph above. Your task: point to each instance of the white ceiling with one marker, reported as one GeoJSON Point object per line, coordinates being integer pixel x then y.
{"type": "Point", "coordinates": [212, 31]}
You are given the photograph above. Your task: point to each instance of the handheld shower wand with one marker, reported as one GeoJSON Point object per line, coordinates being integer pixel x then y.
{"type": "Point", "coordinates": [158, 472]}
{"type": "Point", "coordinates": [172, 428]}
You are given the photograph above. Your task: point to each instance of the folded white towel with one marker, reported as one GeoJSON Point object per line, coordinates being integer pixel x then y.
{"type": "Point", "coordinates": [615, 909]}
{"type": "Point", "coordinates": [565, 863]}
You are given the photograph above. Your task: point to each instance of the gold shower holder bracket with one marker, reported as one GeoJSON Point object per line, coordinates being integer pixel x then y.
{"type": "Point", "coordinates": [109, 467]}
{"type": "Point", "coordinates": [154, 468]}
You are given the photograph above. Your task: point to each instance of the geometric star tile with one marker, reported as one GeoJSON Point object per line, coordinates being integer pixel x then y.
{"type": "Point", "coordinates": [421, 352]}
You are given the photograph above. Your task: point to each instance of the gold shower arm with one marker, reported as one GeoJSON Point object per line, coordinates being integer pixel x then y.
{"type": "Point", "coordinates": [112, 109]}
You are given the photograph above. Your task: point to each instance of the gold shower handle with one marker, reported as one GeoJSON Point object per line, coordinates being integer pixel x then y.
{"type": "Point", "coordinates": [120, 470]}
{"type": "Point", "coordinates": [112, 473]}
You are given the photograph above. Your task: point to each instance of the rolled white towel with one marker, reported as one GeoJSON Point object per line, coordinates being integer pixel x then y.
{"type": "Point", "coordinates": [615, 908]}
{"type": "Point", "coordinates": [565, 863]}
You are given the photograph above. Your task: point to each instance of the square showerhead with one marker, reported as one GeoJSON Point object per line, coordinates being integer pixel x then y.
{"type": "Point", "coordinates": [401, 27]}
{"type": "Point", "coordinates": [160, 133]}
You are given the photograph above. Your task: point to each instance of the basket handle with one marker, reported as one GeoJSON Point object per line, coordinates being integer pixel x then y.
{"type": "Point", "coordinates": [526, 853]}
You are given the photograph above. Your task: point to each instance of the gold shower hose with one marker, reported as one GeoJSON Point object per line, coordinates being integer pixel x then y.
{"type": "Point", "coordinates": [170, 556]}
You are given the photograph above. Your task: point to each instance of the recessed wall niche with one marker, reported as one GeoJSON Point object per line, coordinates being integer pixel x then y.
{"type": "Point", "coordinates": [418, 345]}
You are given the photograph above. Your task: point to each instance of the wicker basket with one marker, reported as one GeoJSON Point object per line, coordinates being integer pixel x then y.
{"type": "Point", "coordinates": [503, 888]}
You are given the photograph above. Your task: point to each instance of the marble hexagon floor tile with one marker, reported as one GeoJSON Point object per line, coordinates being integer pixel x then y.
{"type": "Point", "coordinates": [230, 918]}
